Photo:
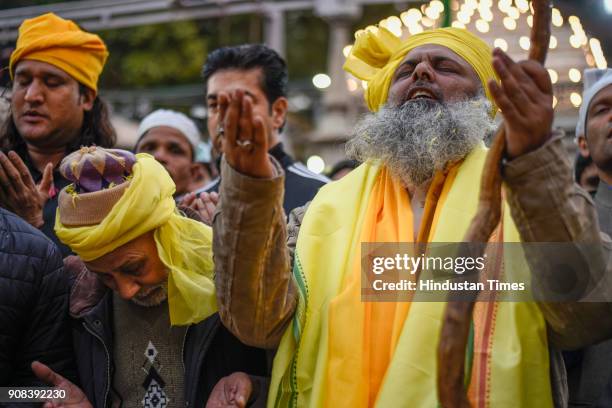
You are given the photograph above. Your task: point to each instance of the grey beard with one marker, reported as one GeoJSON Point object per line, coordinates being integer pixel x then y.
{"type": "Point", "coordinates": [153, 296]}
{"type": "Point", "coordinates": [421, 137]}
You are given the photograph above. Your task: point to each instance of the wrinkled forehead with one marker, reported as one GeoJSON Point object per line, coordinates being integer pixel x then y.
{"type": "Point", "coordinates": [434, 52]}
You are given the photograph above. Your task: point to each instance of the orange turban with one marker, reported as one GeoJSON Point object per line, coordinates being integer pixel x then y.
{"type": "Point", "coordinates": [51, 39]}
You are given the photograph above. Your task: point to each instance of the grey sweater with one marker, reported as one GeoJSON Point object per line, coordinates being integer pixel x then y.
{"type": "Point", "coordinates": [149, 368]}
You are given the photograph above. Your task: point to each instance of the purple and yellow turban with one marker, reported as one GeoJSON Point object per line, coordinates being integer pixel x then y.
{"type": "Point", "coordinates": [377, 53]}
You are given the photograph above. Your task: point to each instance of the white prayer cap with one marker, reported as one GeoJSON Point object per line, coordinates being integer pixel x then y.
{"type": "Point", "coordinates": [173, 119]}
{"type": "Point", "coordinates": [594, 81]}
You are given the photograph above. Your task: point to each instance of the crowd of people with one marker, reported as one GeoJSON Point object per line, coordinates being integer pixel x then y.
{"type": "Point", "coordinates": [230, 275]}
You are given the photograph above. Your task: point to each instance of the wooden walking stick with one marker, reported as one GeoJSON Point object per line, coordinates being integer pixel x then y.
{"type": "Point", "coordinates": [452, 392]}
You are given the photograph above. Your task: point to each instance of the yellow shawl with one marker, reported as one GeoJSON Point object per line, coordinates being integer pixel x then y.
{"type": "Point", "coordinates": [340, 351]}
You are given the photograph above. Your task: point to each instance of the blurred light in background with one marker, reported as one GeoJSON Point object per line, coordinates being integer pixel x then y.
{"type": "Point", "coordinates": [576, 99]}
{"type": "Point", "coordinates": [347, 50]}
{"type": "Point", "coordinates": [574, 75]}
{"type": "Point", "coordinates": [198, 111]}
{"type": "Point", "coordinates": [575, 41]}
{"type": "Point", "coordinates": [501, 43]}
{"type": "Point", "coordinates": [557, 20]}
{"type": "Point", "coordinates": [482, 26]}
{"type": "Point", "coordinates": [608, 6]}
{"type": "Point", "coordinates": [427, 22]}
{"type": "Point", "coordinates": [513, 13]}
{"type": "Point", "coordinates": [600, 60]}
{"type": "Point", "coordinates": [315, 164]}
{"type": "Point", "coordinates": [351, 84]}
{"type": "Point", "coordinates": [299, 102]}
{"type": "Point", "coordinates": [393, 24]}
{"type": "Point", "coordinates": [321, 81]}
{"type": "Point", "coordinates": [523, 5]}
{"type": "Point", "coordinates": [410, 17]}
{"type": "Point", "coordinates": [509, 23]}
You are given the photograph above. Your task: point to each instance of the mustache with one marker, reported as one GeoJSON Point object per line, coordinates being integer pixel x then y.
{"type": "Point", "coordinates": [151, 296]}
{"type": "Point", "coordinates": [437, 93]}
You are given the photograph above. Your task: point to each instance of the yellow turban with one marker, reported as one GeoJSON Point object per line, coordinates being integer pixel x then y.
{"type": "Point", "coordinates": [377, 53]}
{"type": "Point", "coordinates": [51, 39]}
{"type": "Point", "coordinates": [184, 245]}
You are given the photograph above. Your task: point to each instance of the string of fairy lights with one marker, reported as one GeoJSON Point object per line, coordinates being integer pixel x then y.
{"type": "Point", "coordinates": [483, 16]}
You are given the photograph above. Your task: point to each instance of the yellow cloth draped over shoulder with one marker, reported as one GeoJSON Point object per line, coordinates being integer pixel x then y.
{"type": "Point", "coordinates": [184, 245]}
{"type": "Point", "coordinates": [342, 352]}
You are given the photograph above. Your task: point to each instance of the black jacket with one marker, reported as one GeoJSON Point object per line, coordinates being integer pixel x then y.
{"type": "Point", "coordinates": [301, 184]}
{"type": "Point", "coordinates": [210, 352]}
{"type": "Point", "coordinates": [34, 320]}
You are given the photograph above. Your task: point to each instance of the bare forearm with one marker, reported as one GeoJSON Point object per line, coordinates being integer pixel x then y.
{"type": "Point", "coordinates": [255, 290]}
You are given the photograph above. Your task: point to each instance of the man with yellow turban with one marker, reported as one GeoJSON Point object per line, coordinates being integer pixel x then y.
{"type": "Point", "coordinates": [54, 110]}
{"type": "Point", "coordinates": [433, 98]}
{"type": "Point", "coordinates": [153, 339]}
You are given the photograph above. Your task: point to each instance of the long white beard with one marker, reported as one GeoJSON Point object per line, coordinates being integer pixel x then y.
{"type": "Point", "coordinates": [421, 137]}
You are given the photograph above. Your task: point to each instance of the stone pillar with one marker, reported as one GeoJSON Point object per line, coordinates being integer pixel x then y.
{"type": "Point", "coordinates": [337, 113]}
{"type": "Point", "coordinates": [275, 30]}
{"type": "Point", "coordinates": [339, 36]}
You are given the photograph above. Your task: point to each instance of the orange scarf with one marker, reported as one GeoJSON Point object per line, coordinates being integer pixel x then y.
{"type": "Point", "coordinates": [388, 218]}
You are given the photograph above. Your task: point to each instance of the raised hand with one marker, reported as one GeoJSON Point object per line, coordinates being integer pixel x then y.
{"type": "Point", "coordinates": [75, 398]}
{"type": "Point", "coordinates": [525, 98]}
{"type": "Point", "coordinates": [231, 391]}
{"type": "Point", "coordinates": [204, 204]}
{"type": "Point", "coordinates": [245, 136]}
{"type": "Point", "coordinates": [19, 194]}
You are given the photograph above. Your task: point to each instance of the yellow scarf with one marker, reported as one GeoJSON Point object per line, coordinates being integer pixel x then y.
{"type": "Point", "coordinates": [344, 352]}
{"type": "Point", "coordinates": [184, 245]}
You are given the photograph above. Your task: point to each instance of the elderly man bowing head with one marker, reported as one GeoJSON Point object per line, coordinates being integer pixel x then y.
{"type": "Point", "coordinates": [153, 319]}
